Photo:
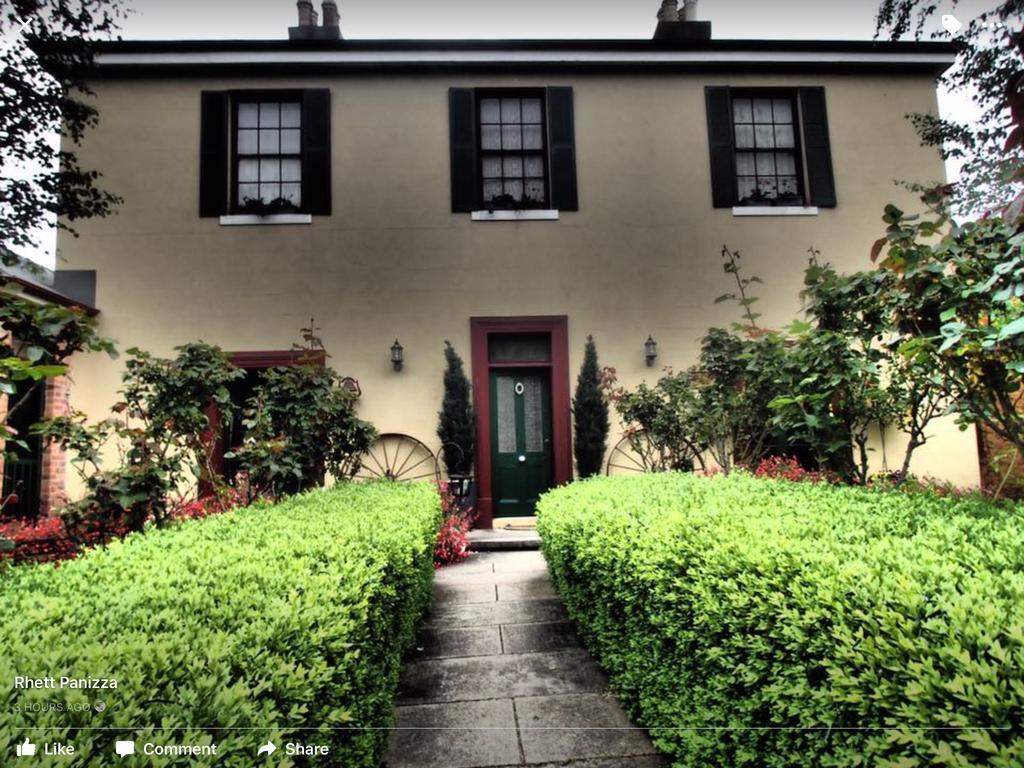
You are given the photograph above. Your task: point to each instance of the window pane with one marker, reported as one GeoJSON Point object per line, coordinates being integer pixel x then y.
{"type": "Point", "coordinates": [534, 415]}
{"type": "Point", "coordinates": [270, 192]}
{"type": "Point", "coordinates": [788, 185]}
{"type": "Point", "coordinates": [762, 110]}
{"type": "Point", "coordinates": [510, 111]}
{"type": "Point", "coordinates": [513, 166]}
{"type": "Point", "coordinates": [292, 193]}
{"type": "Point", "coordinates": [270, 170]}
{"type": "Point", "coordinates": [492, 189]}
{"type": "Point", "coordinates": [534, 166]}
{"type": "Point", "coordinates": [784, 136]}
{"type": "Point", "coordinates": [270, 115]}
{"type": "Point", "coordinates": [506, 414]}
{"type": "Point", "coordinates": [783, 111]}
{"type": "Point", "coordinates": [528, 348]}
{"type": "Point", "coordinates": [248, 192]}
{"type": "Point", "coordinates": [490, 137]}
{"type": "Point", "coordinates": [745, 164]}
{"type": "Point", "coordinates": [745, 187]}
{"type": "Point", "coordinates": [247, 142]}
{"type": "Point", "coordinates": [745, 136]}
{"type": "Point", "coordinates": [535, 190]}
{"type": "Point", "coordinates": [291, 116]}
{"type": "Point", "coordinates": [248, 170]}
{"type": "Point", "coordinates": [492, 167]}
{"type": "Point", "coordinates": [515, 189]}
{"type": "Point", "coordinates": [741, 111]}
{"type": "Point", "coordinates": [291, 170]}
{"type": "Point", "coordinates": [490, 111]}
{"type": "Point", "coordinates": [270, 142]}
{"type": "Point", "coordinates": [531, 111]}
{"type": "Point", "coordinates": [785, 163]}
{"type": "Point", "coordinates": [764, 136]}
{"type": "Point", "coordinates": [291, 142]}
{"type": "Point", "coordinates": [767, 188]}
{"type": "Point", "coordinates": [248, 115]}
{"type": "Point", "coordinates": [533, 137]}
{"type": "Point", "coordinates": [511, 137]}
{"type": "Point", "coordinates": [766, 164]}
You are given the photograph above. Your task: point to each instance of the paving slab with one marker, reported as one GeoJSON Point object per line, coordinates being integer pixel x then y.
{"type": "Point", "coordinates": [505, 676]}
{"type": "Point", "coordinates": [473, 734]}
{"type": "Point", "coordinates": [532, 589]}
{"type": "Point", "coordinates": [647, 761]}
{"type": "Point", "coordinates": [519, 561]}
{"type": "Point", "coordinates": [554, 728]}
{"type": "Point", "coordinates": [464, 592]}
{"type": "Point", "coordinates": [450, 643]}
{"type": "Point", "coordinates": [486, 614]}
{"type": "Point", "coordinates": [534, 638]}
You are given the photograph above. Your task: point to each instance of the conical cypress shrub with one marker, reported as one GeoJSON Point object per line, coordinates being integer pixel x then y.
{"type": "Point", "coordinates": [456, 422]}
{"type": "Point", "coordinates": [591, 415]}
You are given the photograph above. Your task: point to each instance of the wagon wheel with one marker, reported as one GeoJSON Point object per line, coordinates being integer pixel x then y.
{"type": "Point", "coordinates": [634, 454]}
{"type": "Point", "coordinates": [398, 457]}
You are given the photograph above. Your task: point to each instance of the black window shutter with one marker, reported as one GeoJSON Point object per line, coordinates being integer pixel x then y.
{"type": "Point", "coordinates": [721, 149]}
{"type": "Point", "coordinates": [213, 154]}
{"type": "Point", "coordinates": [462, 132]}
{"type": "Point", "coordinates": [316, 152]}
{"type": "Point", "coordinates": [817, 150]}
{"type": "Point", "coordinates": [562, 149]}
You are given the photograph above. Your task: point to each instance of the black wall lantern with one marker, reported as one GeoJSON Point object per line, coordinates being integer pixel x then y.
{"type": "Point", "coordinates": [650, 351]}
{"type": "Point", "coordinates": [397, 357]}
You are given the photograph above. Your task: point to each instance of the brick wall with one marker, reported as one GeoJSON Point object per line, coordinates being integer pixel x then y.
{"type": "Point", "coordinates": [53, 472]}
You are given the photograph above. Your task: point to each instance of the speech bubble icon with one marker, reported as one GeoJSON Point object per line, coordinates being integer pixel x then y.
{"type": "Point", "coordinates": [123, 748]}
{"type": "Point", "coordinates": [951, 23]}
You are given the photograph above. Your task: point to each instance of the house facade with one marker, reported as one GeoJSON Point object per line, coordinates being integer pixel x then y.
{"type": "Point", "coordinates": [511, 197]}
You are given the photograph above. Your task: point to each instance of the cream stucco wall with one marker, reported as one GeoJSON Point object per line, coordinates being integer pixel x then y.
{"type": "Point", "coordinates": [640, 257]}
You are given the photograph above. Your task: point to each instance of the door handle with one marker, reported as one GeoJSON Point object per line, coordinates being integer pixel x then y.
{"type": "Point", "coordinates": [522, 458]}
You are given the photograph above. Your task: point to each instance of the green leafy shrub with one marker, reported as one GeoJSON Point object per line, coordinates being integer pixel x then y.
{"type": "Point", "coordinates": [765, 623]}
{"type": "Point", "coordinates": [272, 618]}
{"type": "Point", "coordinates": [590, 415]}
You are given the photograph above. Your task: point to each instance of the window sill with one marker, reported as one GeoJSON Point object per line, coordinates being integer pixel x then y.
{"type": "Point", "coordinates": [775, 210]}
{"type": "Point", "coordinates": [250, 220]}
{"type": "Point", "coordinates": [527, 215]}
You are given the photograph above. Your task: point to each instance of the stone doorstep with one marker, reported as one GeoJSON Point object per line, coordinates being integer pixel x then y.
{"type": "Point", "coordinates": [499, 540]}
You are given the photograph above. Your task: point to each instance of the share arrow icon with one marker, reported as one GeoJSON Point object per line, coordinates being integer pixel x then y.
{"type": "Point", "coordinates": [267, 749]}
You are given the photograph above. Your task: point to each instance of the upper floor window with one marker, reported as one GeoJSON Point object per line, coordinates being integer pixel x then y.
{"type": "Point", "coordinates": [265, 152]}
{"type": "Point", "coordinates": [268, 154]}
{"type": "Point", "coordinates": [767, 170]}
{"type": "Point", "coordinates": [769, 146]}
{"type": "Point", "coordinates": [512, 149]}
{"type": "Point", "coordinates": [513, 167]}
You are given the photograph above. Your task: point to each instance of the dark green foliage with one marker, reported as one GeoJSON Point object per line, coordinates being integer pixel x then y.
{"type": "Point", "coordinates": [456, 421]}
{"type": "Point", "coordinates": [259, 623]}
{"type": "Point", "coordinates": [590, 414]}
{"type": "Point", "coordinates": [757, 623]}
{"type": "Point", "coordinates": [47, 53]}
{"type": "Point", "coordinates": [160, 431]}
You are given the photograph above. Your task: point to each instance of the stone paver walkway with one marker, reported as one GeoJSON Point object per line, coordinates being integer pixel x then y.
{"type": "Point", "coordinates": [499, 678]}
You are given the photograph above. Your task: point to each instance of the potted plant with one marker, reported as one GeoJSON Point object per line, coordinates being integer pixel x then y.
{"type": "Point", "coordinates": [258, 207]}
{"type": "Point", "coordinates": [457, 430]}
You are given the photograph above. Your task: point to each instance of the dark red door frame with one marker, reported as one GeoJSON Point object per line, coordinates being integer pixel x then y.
{"type": "Point", "coordinates": [249, 361]}
{"type": "Point", "coordinates": [480, 329]}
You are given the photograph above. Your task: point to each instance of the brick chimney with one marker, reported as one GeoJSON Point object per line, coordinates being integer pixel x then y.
{"type": "Point", "coordinates": [308, 18]}
{"type": "Point", "coordinates": [674, 24]}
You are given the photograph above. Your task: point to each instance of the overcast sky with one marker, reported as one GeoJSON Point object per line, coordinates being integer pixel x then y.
{"type": "Point", "coordinates": [372, 19]}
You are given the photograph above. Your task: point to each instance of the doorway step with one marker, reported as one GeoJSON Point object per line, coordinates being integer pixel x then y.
{"type": "Point", "coordinates": [501, 540]}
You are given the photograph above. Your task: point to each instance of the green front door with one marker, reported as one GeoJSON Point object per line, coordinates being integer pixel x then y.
{"type": "Point", "coordinates": [521, 454]}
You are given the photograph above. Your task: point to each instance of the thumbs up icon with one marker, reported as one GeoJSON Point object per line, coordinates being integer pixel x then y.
{"type": "Point", "coordinates": [26, 749]}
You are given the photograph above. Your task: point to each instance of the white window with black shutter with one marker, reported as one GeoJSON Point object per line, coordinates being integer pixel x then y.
{"type": "Point", "coordinates": [265, 154]}
{"type": "Point", "coordinates": [513, 152]}
{"type": "Point", "coordinates": [769, 150]}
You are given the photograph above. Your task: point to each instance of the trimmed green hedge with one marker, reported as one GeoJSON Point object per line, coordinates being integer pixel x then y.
{"type": "Point", "coordinates": [277, 618]}
{"type": "Point", "coordinates": [765, 623]}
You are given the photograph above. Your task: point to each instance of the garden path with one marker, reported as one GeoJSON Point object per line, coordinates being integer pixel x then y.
{"type": "Point", "coordinates": [499, 678]}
